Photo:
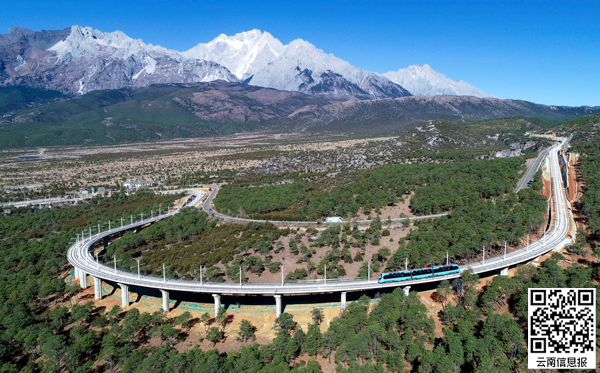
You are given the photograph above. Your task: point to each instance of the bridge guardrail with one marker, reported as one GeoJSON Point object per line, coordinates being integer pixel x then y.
{"type": "Point", "coordinates": [80, 256]}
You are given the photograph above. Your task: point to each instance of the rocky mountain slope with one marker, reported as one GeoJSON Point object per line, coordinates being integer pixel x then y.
{"type": "Point", "coordinates": [81, 59]}
{"type": "Point", "coordinates": [77, 60]}
{"type": "Point", "coordinates": [583, 129]}
{"type": "Point", "coordinates": [430, 141]}
{"type": "Point", "coordinates": [440, 135]}
{"type": "Point", "coordinates": [217, 108]}
{"type": "Point", "coordinates": [260, 59]}
{"type": "Point", "coordinates": [404, 113]}
{"type": "Point", "coordinates": [243, 54]}
{"type": "Point", "coordinates": [422, 80]}
{"type": "Point", "coordinates": [153, 113]}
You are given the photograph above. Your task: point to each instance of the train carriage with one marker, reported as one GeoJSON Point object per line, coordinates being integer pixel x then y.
{"type": "Point", "coordinates": [418, 273]}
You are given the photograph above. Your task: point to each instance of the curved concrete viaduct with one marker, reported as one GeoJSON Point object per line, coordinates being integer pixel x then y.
{"type": "Point", "coordinates": [80, 255]}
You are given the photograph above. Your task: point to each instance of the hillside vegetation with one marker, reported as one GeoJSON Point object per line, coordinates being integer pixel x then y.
{"type": "Point", "coordinates": [45, 327]}
{"type": "Point", "coordinates": [148, 114]}
{"type": "Point", "coordinates": [514, 125]}
{"type": "Point", "coordinates": [433, 141]}
{"type": "Point", "coordinates": [478, 194]}
{"type": "Point", "coordinates": [33, 267]}
{"type": "Point", "coordinates": [438, 188]}
{"type": "Point", "coordinates": [590, 200]}
{"type": "Point", "coordinates": [21, 97]}
{"type": "Point", "coordinates": [583, 129]}
{"type": "Point", "coordinates": [33, 117]}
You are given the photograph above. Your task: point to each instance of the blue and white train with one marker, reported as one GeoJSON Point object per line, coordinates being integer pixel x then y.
{"type": "Point", "coordinates": [418, 273]}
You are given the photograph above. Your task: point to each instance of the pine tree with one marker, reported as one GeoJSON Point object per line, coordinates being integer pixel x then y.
{"type": "Point", "coordinates": [313, 340]}
{"type": "Point", "coordinates": [246, 331]}
{"type": "Point", "coordinates": [317, 315]}
{"type": "Point", "coordinates": [214, 335]}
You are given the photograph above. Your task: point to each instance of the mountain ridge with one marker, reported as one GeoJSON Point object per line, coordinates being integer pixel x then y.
{"type": "Point", "coordinates": [422, 80]}
{"type": "Point", "coordinates": [219, 108]}
{"type": "Point", "coordinates": [78, 59]}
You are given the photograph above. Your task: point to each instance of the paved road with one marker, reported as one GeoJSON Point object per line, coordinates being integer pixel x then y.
{"type": "Point", "coordinates": [80, 256]}
{"type": "Point", "coordinates": [530, 172]}
{"type": "Point", "coordinates": [214, 190]}
{"type": "Point", "coordinates": [45, 201]}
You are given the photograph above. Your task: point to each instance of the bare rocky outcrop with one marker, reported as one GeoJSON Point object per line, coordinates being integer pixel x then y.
{"type": "Point", "coordinates": [80, 60]}
{"type": "Point", "coordinates": [403, 113]}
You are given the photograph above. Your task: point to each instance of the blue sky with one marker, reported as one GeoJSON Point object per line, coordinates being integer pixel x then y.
{"type": "Point", "coordinates": [542, 51]}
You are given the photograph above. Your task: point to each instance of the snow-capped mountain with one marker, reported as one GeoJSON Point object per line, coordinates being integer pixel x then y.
{"type": "Point", "coordinates": [243, 54]}
{"type": "Point", "coordinates": [260, 59]}
{"type": "Point", "coordinates": [304, 68]}
{"type": "Point", "coordinates": [422, 80]}
{"type": "Point", "coordinates": [81, 59]}
{"type": "Point", "coordinates": [87, 60]}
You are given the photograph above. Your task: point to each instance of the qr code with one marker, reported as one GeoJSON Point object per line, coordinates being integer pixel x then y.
{"type": "Point", "coordinates": [562, 328]}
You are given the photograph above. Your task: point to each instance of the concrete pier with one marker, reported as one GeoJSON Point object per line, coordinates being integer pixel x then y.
{"type": "Point", "coordinates": [504, 272]}
{"type": "Point", "coordinates": [406, 290]}
{"type": "Point", "coordinates": [83, 279]}
{"type": "Point", "coordinates": [97, 288]}
{"type": "Point", "coordinates": [277, 304]}
{"type": "Point", "coordinates": [217, 303]}
{"type": "Point", "coordinates": [124, 295]}
{"type": "Point", "coordinates": [165, 300]}
{"type": "Point", "coordinates": [343, 301]}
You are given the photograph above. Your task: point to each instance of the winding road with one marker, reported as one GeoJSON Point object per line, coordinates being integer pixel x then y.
{"type": "Point", "coordinates": [206, 206]}
{"type": "Point", "coordinates": [80, 255]}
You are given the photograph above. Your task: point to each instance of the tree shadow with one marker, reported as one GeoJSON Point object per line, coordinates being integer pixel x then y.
{"type": "Point", "coordinates": [437, 298]}
{"type": "Point", "coordinates": [228, 320]}
{"type": "Point", "coordinates": [193, 322]}
{"type": "Point", "coordinates": [86, 297]}
{"type": "Point", "coordinates": [142, 338]}
{"type": "Point", "coordinates": [582, 261]}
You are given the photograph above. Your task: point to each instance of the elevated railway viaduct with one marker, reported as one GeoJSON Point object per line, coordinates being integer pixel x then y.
{"type": "Point", "coordinates": [80, 255]}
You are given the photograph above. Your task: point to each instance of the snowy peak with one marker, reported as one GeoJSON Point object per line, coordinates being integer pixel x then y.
{"type": "Point", "coordinates": [85, 42]}
{"type": "Point", "coordinates": [305, 68]}
{"type": "Point", "coordinates": [242, 39]}
{"type": "Point", "coordinates": [243, 53]}
{"type": "Point", "coordinates": [422, 80]}
{"type": "Point", "coordinates": [260, 59]}
{"type": "Point", "coordinates": [88, 59]}
{"type": "Point", "coordinates": [82, 59]}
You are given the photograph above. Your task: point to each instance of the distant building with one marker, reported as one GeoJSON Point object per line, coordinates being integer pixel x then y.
{"type": "Point", "coordinates": [34, 186]}
{"type": "Point", "coordinates": [334, 219]}
{"type": "Point", "coordinates": [137, 184]}
{"type": "Point", "coordinates": [507, 153]}
{"type": "Point", "coordinates": [102, 191]}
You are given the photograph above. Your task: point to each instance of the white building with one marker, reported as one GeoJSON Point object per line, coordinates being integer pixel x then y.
{"type": "Point", "coordinates": [137, 184]}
